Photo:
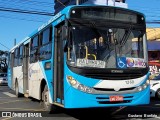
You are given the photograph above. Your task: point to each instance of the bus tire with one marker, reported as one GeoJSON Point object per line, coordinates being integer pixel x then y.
{"type": "Point", "coordinates": [17, 90]}
{"type": "Point", "coordinates": [50, 108]}
{"type": "Point", "coordinates": [158, 94]}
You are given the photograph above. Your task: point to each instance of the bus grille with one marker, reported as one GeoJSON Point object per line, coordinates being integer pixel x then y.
{"type": "Point", "coordinates": [108, 102]}
{"type": "Point", "coordinates": [110, 89]}
{"type": "Point", "coordinates": [114, 76]}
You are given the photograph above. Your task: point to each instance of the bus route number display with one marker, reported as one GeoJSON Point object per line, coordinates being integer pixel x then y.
{"type": "Point", "coordinates": [90, 63]}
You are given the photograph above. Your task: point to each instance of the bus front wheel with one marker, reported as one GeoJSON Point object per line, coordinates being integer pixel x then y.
{"type": "Point", "coordinates": [17, 90]}
{"type": "Point", "coordinates": [45, 98]}
{"type": "Point", "coordinates": [158, 94]}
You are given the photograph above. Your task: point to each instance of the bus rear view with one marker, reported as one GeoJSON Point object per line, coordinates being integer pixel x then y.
{"type": "Point", "coordinates": [106, 58]}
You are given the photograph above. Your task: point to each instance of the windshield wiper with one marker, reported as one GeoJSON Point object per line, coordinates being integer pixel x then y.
{"type": "Point", "coordinates": [125, 36]}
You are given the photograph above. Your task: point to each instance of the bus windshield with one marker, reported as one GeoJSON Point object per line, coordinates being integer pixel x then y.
{"type": "Point", "coordinates": [106, 47]}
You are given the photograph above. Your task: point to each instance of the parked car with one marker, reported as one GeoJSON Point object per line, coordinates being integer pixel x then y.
{"type": "Point", "coordinates": [155, 88]}
{"type": "Point", "coordinates": [154, 67]}
{"type": "Point", "coordinates": [155, 85]}
{"type": "Point", "coordinates": [3, 79]}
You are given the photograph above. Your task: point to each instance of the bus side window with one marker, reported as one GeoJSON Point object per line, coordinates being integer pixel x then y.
{"type": "Point", "coordinates": [34, 49]}
{"type": "Point", "coordinates": [20, 55]}
{"type": "Point", "coordinates": [16, 57]}
{"type": "Point", "coordinates": [46, 44]}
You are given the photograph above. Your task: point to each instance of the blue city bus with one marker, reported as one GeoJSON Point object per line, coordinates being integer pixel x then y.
{"type": "Point", "coordinates": [85, 56]}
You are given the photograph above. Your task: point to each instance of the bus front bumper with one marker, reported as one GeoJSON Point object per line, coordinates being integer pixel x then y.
{"type": "Point", "coordinates": [78, 99]}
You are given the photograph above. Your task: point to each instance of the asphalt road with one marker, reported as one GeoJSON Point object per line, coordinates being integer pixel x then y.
{"type": "Point", "coordinates": [22, 108]}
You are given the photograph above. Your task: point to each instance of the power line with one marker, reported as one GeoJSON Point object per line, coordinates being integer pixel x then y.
{"type": "Point", "coordinates": [153, 22]}
{"type": "Point", "coordinates": [37, 1]}
{"type": "Point", "coordinates": [29, 2]}
{"type": "Point", "coordinates": [32, 1]}
{"type": "Point", "coordinates": [4, 46]}
{"type": "Point", "coordinates": [26, 7]}
{"type": "Point", "coordinates": [60, 3]}
{"type": "Point", "coordinates": [16, 18]}
{"type": "Point", "coordinates": [25, 11]}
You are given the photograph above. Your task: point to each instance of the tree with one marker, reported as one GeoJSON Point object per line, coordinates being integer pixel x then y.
{"type": "Point", "coordinates": [3, 61]}
{"type": "Point", "coordinates": [1, 52]}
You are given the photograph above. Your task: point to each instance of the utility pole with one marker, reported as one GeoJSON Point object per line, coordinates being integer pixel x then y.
{"type": "Point", "coordinates": [14, 42]}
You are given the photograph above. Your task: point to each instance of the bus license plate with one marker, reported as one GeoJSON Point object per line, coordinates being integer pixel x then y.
{"type": "Point", "coordinates": [115, 98]}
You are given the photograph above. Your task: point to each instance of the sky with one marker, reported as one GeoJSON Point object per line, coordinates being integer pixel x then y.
{"type": "Point", "coordinates": [18, 26]}
{"type": "Point", "coordinates": [151, 9]}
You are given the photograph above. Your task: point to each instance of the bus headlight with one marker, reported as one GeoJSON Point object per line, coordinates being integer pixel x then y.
{"type": "Point", "coordinates": [89, 90]}
{"type": "Point", "coordinates": [71, 80]}
{"type": "Point", "coordinates": [78, 85]}
{"type": "Point", "coordinates": [143, 86]}
{"type": "Point", "coordinates": [147, 82]}
{"type": "Point", "coordinates": [139, 88]}
{"type": "Point", "coordinates": [81, 87]}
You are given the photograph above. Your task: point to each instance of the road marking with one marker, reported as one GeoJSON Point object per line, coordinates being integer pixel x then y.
{"type": "Point", "coordinates": [9, 94]}
{"type": "Point", "coordinates": [22, 109]}
{"type": "Point", "coordinates": [14, 101]}
{"type": "Point", "coordinates": [7, 118]}
{"type": "Point", "coordinates": [157, 104]}
{"type": "Point", "coordinates": [121, 108]}
{"type": "Point", "coordinates": [148, 106]}
{"type": "Point", "coordinates": [13, 98]}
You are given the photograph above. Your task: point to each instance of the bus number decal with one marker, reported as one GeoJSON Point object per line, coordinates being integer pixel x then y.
{"type": "Point", "coordinates": [129, 81]}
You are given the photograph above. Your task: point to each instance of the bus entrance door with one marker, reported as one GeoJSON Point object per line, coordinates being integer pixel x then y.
{"type": "Point", "coordinates": [12, 65]}
{"type": "Point", "coordinates": [25, 69]}
{"type": "Point", "coordinates": [58, 66]}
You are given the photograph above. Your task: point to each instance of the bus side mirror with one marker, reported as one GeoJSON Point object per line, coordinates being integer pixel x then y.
{"type": "Point", "coordinates": [64, 33]}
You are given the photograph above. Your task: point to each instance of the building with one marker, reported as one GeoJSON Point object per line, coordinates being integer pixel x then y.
{"type": "Point", "coordinates": [153, 34]}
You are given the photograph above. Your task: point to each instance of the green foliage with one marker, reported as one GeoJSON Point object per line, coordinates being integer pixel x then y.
{"type": "Point", "coordinates": [3, 61]}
